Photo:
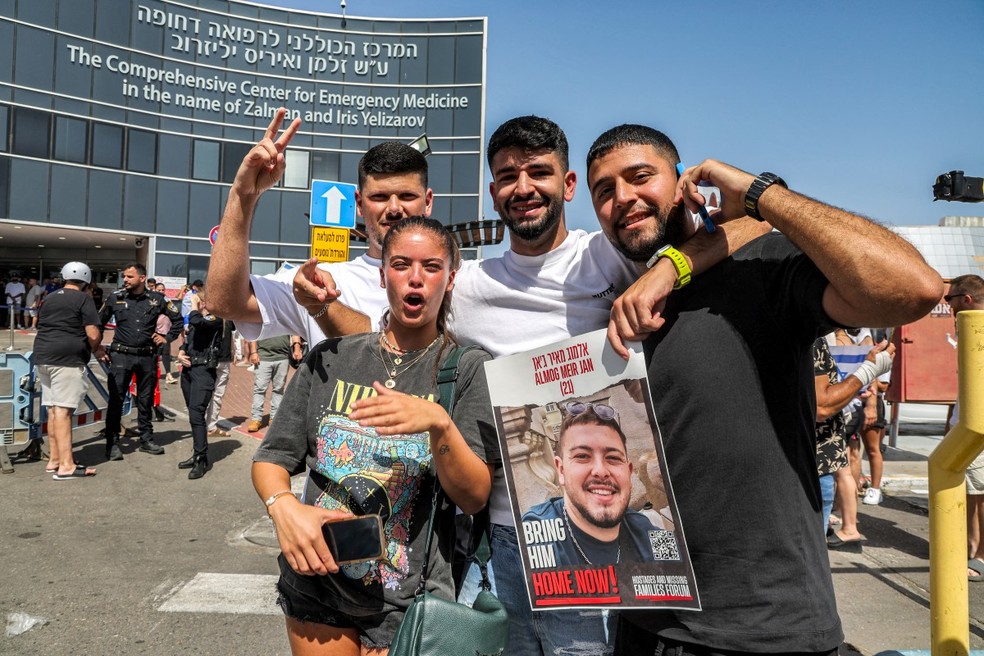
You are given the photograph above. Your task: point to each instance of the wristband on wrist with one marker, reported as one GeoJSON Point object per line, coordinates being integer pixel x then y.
{"type": "Point", "coordinates": [679, 263]}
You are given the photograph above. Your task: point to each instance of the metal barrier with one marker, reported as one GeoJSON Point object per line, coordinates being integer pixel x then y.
{"type": "Point", "coordinates": [949, 604]}
{"type": "Point", "coordinates": [24, 421]}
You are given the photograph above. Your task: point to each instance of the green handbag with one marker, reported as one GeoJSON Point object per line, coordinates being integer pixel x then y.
{"type": "Point", "coordinates": [432, 625]}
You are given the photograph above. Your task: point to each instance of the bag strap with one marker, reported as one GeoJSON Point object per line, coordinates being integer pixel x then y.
{"type": "Point", "coordinates": [447, 379]}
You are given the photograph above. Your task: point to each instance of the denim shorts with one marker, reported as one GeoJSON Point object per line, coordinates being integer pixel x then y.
{"type": "Point", "coordinates": [299, 597]}
{"type": "Point", "coordinates": [532, 633]}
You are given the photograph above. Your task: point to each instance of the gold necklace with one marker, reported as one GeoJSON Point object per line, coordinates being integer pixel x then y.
{"type": "Point", "coordinates": [392, 370]}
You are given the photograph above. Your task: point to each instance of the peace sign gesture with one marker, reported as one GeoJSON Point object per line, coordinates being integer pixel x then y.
{"type": "Point", "coordinates": [264, 164]}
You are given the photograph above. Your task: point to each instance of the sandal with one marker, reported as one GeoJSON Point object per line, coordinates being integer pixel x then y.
{"type": "Point", "coordinates": [81, 471]}
{"type": "Point", "coordinates": [977, 566]}
{"type": "Point", "coordinates": [51, 468]}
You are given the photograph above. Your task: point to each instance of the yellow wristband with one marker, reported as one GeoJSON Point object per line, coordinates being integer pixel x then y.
{"type": "Point", "coordinates": [679, 263]}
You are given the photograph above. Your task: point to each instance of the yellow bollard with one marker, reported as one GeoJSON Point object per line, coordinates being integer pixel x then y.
{"type": "Point", "coordinates": [949, 612]}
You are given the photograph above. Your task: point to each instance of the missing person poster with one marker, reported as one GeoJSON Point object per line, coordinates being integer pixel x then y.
{"type": "Point", "coordinates": [595, 513]}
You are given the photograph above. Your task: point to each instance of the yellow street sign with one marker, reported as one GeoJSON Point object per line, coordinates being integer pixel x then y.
{"type": "Point", "coordinates": [330, 244]}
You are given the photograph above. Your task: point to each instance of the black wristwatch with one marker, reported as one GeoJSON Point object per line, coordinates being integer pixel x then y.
{"type": "Point", "coordinates": [755, 191]}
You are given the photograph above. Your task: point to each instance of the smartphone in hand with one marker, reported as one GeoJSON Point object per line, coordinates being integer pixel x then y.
{"type": "Point", "coordinates": [355, 539]}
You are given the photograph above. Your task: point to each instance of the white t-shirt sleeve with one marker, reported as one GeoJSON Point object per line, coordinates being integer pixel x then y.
{"type": "Point", "coordinates": [279, 311]}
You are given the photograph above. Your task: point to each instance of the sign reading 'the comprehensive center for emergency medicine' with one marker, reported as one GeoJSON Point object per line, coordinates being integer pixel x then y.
{"type": "Point", "coordinates": [330, 244]}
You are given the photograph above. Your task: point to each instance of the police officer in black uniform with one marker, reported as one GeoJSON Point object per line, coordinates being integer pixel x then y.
{"type": "Point", "coordinates": [199, 357]}
{"type": "Point", "coordinates": [133, 352]}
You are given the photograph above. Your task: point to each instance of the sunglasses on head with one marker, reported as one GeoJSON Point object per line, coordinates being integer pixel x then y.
{"type": "Point", "coordinates": [605, 412]}
{"type": "Point", "coordinates": [950, 296]}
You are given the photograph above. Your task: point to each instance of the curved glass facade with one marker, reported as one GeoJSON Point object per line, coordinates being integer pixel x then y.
{"type": "Point", "coordinates": [951, 250]}
{"type": "Point", "coordinates": [131, 116]}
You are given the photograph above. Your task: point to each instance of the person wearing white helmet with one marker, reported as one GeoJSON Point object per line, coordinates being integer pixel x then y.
{"type": "Point", "coordinates": [68, 335]}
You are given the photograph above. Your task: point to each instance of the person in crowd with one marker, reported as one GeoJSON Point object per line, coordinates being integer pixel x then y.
{"type": "Point", "coordinates": [133, 352]}
{"type": "Point", "coordinates": [15, 293]}
{"type": "Point", "coordinates": [592, 456]}
{"type": "Point", "coordinates": [165, 349]}
{"type": "Point", "coordinates": [833, 395]}
{"type": "Point", "coordinates": [53, 284]}
{"type": "Point", "coordinates": [967, 293]}
{"type": "Point", "coordinates": [748, 325]}
{"type": "Point", "coordinates": [361, 415]}
{"type": "Point", "coordinates": [199, 358]}
{"type": "Point", "coordinates": [32, 301]}
{"type": "Point", "coordinates": [68, 336]}
{"type": "Point", "coordinates": [871, 430]}
{"type": "Point", "coordinates": [196, 287]}
{"type": "Point", "coordinates": [271, 360]}
{"type": "Point", "coordinates": [226, 350]}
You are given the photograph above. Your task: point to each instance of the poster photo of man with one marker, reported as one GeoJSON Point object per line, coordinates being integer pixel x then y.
{"type": "Point", "coordinates": [587, 477]}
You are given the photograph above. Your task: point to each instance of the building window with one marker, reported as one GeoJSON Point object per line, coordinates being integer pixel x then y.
{"type": "Point", "coordinates": [4, 113]}
{"type": "Point", "coordinates": [232, 156]}
{"type": "Point", "coordinates": [107, 145]}
{"type": "Point", "coordinates": [141, 151]}
{"type": "Point", "coordinates": [206, 160]}
{"type": "Point", "coordinates": [296, 175]}
{"type": "Point", "coordinates": [31, 132]}
{"type": "Point", "coordinates": [71, 138]}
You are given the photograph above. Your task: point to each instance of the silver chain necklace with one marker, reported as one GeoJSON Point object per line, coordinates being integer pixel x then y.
{"type": "Point", "coordinates": [567, 522]}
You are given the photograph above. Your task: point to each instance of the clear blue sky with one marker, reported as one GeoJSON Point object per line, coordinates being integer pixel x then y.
{"type": "Point", "coordinates": [859, 104]}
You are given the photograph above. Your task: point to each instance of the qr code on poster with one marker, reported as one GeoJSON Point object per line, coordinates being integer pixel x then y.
{"type": "Point", "coordinates": [664, 545]}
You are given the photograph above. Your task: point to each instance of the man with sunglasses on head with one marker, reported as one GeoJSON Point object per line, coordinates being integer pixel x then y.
{"type": "Point", "coordinates": [595, 474]}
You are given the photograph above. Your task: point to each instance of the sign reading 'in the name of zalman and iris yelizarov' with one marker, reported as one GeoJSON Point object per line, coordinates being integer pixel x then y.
{"type": "Point", "coordinates": [337, 73]}
{"type": "Point", "coordinates": [595, 513]}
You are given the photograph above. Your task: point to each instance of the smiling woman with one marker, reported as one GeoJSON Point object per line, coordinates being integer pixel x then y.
{"type": "Point", "coordinates": [361, 415]}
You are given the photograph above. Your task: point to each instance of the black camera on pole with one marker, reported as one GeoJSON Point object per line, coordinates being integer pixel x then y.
{"type": "Point", "coordinates": [957, 186]}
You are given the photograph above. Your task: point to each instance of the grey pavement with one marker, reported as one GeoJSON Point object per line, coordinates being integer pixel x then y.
{"type": "Point", "coordinates": [141, 560]}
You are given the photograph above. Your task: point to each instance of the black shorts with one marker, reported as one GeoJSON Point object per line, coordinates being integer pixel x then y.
{"type": "Point", "coordinates": [300, 598]}
{"type": "Point", "coordinates": [880, 422]}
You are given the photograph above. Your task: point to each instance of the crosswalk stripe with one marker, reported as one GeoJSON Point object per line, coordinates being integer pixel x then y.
{"type": "Point", "coordinates": [241, 594]}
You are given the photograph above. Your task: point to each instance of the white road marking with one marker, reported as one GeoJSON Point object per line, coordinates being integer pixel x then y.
{"type": "Point", "coordinates": [241, 594]}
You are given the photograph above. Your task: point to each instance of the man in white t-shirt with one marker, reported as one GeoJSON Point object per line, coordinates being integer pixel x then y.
{"type": "Point", "coordinates": [392, 187]}
{"type": "Point", "coordinates": [15, 291]}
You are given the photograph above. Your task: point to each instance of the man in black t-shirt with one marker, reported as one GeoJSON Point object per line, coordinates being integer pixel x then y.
{"type": "Point", "coordinates": [731, 374]}
{"type": "Point", "coordinates": [68, 334]}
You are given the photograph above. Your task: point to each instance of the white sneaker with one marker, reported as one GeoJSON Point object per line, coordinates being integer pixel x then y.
{"type": "Point", "coordinates": [872, 497]}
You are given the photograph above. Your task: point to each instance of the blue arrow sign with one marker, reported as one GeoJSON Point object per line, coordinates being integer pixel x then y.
{"type": "Point", "coordinates": [332, 204]}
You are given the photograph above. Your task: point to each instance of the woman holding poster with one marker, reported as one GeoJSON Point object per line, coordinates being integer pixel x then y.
{"type": "Point", "coordinates": [361, 415]}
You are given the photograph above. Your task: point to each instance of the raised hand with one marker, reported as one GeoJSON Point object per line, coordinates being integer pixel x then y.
{"type": "Point", "coordinates": [732, 182]}
{"type": "Point", "coordinates": [264, 164]}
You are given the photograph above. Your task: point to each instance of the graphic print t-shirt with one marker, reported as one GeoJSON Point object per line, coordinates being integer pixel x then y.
{"type": "Point", "coordinates": [354, 469]}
